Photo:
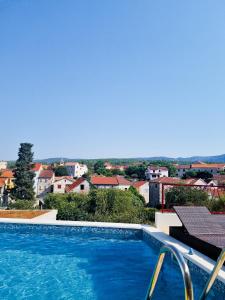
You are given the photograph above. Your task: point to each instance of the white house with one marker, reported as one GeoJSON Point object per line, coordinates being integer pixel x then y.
{"type": "Point", "coordinates": [81, 185]}
{"type": "Point", "coordinates": [214, 169]}
{"type": "Point", "coordinates": [60, 183]}
{"type": "Point", "coordinates": [45, 181]}
{"type": "Point", "coordinates": [154, 172]}
{"type": "Point", "coordinates": [36, 168]}
{"type": "Point", "coordinates": [76, 169]}
{"type": "Point", "coordinates": [3, 165]}
{"type": "Point", "coordinates": [143, 189]}
{"type": "Point", "coordinates": [119, 182]}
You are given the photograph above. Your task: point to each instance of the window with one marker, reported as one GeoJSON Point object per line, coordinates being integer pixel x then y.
{"type": "Point", "coordinates": [59, 186]}
{"type": "Point", "coordinates": [82, 187]}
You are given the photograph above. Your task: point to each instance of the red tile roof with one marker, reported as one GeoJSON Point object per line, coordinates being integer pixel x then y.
{"type": "Point", "coordinates": [219, 178]}
{"type": "Point", "coordinates": [46, 174]}
{"type": "Point", "coordinates": [201, 166]}
{"type": "Point", "coordinates": [157, 168]}
{"type": "Point", "coordinates": [167, 180]}
{"type": "Point", "coordinates": [114, 180]}
{"type": "Point", "coordinates": [6, 173]}
{"type": "Point", "coordinates": [36, 167]}
{"type": "Point", "coordinates": [123, 181]}
{"type": "Point", "coordinates": [71, 163]}
{"type": "Point", "coordinates": [75, 184]}
{"type": "Point", "coordinates": [138, 184]}
{"type": "Point", "coordinates": [194, 181]}
{"type": "Point", "coordinates": [57, 178]}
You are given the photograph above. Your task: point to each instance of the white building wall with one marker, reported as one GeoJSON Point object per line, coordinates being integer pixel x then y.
{"type": "Point", "coordinates": [154, 174]}
{"type": "Point", "coordinates": [144, 191]}
{"type": "Point", "coordinates": [3, 165]}
{"type": "Point", "coordinates": [82, 188]}
{"type": "Point", "coordinates": [60, 185]}
{"type": "Point", "coordinates": [76, 170]}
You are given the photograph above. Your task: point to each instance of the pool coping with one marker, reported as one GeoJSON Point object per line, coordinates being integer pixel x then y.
{"type": "Point", "coordinates": [196, 258]}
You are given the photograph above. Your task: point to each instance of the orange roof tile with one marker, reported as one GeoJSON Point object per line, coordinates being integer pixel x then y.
{"type": "Point", "coordinates": [36, 167]}
{"type": "Point", "coordinates": [137, 184]}
{"type": "Point", "coordinates": [46, 174]}
{"type": "Point", "coordinates": [114, 180]}
{"type": "Point", "coordinates": [6, 173]}
{"type": "Point", "coordinates": [76, 183]}
{"type": "Point", "coordinates": [167, 180]}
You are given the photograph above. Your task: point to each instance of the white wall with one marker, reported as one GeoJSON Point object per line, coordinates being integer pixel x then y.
{"type": "Point", "coordinates": [164, 220]}
{"type": "Point", "coordinates": [144, 191]}
{"type": "Point", "coordinates": [78, 189]}
{"type": "Point", "coordinates": [62, 182]}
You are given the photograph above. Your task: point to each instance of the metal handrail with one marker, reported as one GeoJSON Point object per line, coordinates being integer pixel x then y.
{"type": "Point", "coordinates": [189, 295]}
{"type": "Point", "coordinates": [214, 274]}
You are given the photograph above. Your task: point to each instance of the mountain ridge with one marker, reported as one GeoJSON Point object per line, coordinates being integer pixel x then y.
{"type": "Point", "coordinates": [210, 159]}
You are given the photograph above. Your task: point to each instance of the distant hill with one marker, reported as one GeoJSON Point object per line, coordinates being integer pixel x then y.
{"type": "Point", "coordinates": [210, 159]}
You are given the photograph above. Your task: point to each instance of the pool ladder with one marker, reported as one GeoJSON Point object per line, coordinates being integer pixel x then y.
{"type": "Point", "coordinates": [188, 286]}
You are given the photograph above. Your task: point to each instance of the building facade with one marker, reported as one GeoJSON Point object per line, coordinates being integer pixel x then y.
{"type": "Point", "coordinates": [36, 168]}
{"type": "Point", "coordinates": [45, 181]}
{"type": "Point", "coordinates": [154, 172]}
{"type": "Point", "coordinates": [119, 182]}
{"type": "Point", "coordinates": [60, 184]}
{"type": "Point", "coordinates": [76, 169]}
{"type": "Point", "coordinates": [3, 165]}
{"type": "Point", "coordinates": [80, 185]}
{"type": "Point", "coordinates": [214, 169]}
{"type": "Point", "coordinates": [143, 189]}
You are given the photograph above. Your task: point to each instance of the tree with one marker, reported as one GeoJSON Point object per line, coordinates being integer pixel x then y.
{"type": "Point", "coordinates": [24, 183]}
{"type": "Point", "coordinates": [198, 174]}
{"type": "Point", "coordinates": [186, 196]}
{"type": "Point", "coordinates": [136, 172]}
{"type": "Point", "coordinates": [134, 191]}
{"type": "Point", "coordinates": [61, 171]}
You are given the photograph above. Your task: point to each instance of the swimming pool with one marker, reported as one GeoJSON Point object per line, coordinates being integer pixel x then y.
{"type": "Point", "coordinates": [88, 263]}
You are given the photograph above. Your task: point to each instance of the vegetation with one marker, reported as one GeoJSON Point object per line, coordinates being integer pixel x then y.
{"type": "Point", "coordinates": [23, 175]}
{"type": "Point", "coordinates": [105, 205]}
{"type": "Point", "coordinates": [185, 196]}
{"type": "Point", "coordinates": [218, 205]}
{"type": "Point", "coordinates": [199, 174]}
{"type": "Point", "coordinates": [61, 171]}
{"type": "Point", "coordinates": [192, 196]}
{"type": "Point", "coordinates": [136, 171]}
{"type": "Point", "coordinates": [99, 168]}
{"type": "Point", "coordinates": [21, 204]}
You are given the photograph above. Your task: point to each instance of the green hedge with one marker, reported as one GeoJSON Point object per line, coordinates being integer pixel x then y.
{"type": "Point", "coordinates": [21, 204]}
{"type": "Point", "coordinates": [103, 205]}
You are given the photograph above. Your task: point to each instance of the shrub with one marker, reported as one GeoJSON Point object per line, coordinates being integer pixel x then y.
{"type": "Point", "coordinates": [105, 205]}
{"type": "Point", "coordinates": [149, 214]}
{"type": "Point", "coordinates": [185, 196]}
{"type": "Point", "coordinates": [217, 204]}
{"type": "Point", "coordinates": [21, 204]}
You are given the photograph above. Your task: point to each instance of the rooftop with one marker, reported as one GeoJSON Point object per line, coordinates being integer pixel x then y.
{"type": "Point", "coordinates": [114, 180]}
{"type": "Point", "coordinates": [76, 183]}
{"type": "Point", "coordinates": [46, 174]}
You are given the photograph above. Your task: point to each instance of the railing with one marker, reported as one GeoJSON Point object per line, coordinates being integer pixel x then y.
{"type": "Point", "coordinates": [188, 288]}
{"type": "Point", "coordinates": [214, 274]}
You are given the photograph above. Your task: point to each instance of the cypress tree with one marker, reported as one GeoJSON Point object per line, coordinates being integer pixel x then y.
{"type": "Point", "coordinates": [24, 183]}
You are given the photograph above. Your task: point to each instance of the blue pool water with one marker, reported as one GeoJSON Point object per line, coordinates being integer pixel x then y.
{"type": "Point", "coordinates": [48, 262]}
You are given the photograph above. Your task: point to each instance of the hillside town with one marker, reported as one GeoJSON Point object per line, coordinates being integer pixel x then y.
{"type": "Point", "coordinates": [77, 178]}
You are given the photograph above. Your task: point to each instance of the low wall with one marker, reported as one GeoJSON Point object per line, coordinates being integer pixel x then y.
{"type": "Point", "coordinates": [164, 220]}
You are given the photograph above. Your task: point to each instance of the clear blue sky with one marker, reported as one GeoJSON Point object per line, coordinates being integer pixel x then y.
{"type": "Point", "coordinates": [97, 78]}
